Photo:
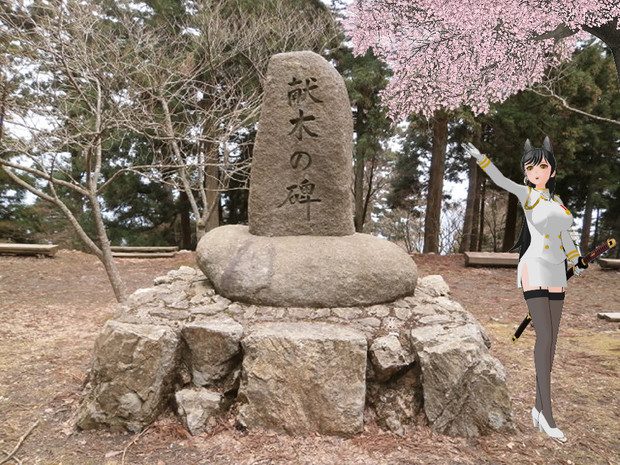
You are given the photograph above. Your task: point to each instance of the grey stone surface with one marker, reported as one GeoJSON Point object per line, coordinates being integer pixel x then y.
{"type": "Point", "coordinates": [388, 356]}
{"type": "Point", "coordinates": [301, 164]}
{"type": "Point", "coordinates": [434, 285]}
{"type": "Point", "coordinates": [213, 351]}
{"type": "Point", "coordinates": [397, 403]}
{"type": "Point", "coordinates": [304, 378]}
{"type": "Point", "coordinates": [465, 392]}
{"type": "Point", "coordinates": [305, 271]}
{"type": "Point", "coordinates": [198, 407]}
{"type": "Point", "coordinates": [132, 376]}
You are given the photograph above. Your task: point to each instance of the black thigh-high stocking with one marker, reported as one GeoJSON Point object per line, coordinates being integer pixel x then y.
{"type": "Point", "coordinates": [538, 305]}
{"type": "Point", "coordinates": [556, 302]}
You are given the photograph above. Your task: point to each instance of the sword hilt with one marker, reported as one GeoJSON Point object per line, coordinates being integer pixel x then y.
{"type": "Point", "coordinates": [599, 250]}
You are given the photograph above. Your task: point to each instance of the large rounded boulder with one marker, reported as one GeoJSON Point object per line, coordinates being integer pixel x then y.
{"type": "Point", "coordinates": [305, 271]}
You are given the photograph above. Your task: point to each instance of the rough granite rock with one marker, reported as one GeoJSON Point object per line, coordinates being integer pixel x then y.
{"type": "Point", "coordinates": [389, 357]}
{"type": "Point", "coordinates": [303, 378]}
{"type": "Point", "coordinates": [305, 271]}
{"type": "Point", "coordinates": [397, 403]}
{"type": "Point", "coordinates": [434, 285]}
{"type": "Point", "coordinates": [301, 163]}
{"type": "Point", "coordinates": [197, 407]}
{"type": "Point", "coordinates": [213, 351]}
{"type": "Point", "coordinates": [465, 392]}
{"type": "Point", "coordinates": [132, 376]}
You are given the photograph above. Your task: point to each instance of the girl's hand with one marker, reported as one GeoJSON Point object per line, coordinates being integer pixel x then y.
{"type": "Point", "coordinates": [579, 266]}
{"type": "Point", "coordinates": [472, 151]}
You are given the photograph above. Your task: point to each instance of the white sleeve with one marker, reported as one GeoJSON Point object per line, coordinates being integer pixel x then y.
{"type": "Point", "coordinates": [571, 250]}
{"type": "Point", "coordinates": [498, 178]}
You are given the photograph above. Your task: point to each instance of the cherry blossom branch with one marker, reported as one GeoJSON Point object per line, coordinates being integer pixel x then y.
{"type": "Point", "coordinates": [450, 53]}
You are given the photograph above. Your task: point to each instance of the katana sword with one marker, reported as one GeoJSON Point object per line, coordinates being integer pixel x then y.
{"type": "Point", "coordinates": [583, 263]}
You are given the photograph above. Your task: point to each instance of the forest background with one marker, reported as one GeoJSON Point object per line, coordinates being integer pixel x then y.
{"type": "Point", "coordinates": [133, 123]}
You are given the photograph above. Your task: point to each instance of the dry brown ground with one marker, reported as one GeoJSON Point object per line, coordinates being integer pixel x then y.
{"type": "Point", "coordinates": [52, 309]}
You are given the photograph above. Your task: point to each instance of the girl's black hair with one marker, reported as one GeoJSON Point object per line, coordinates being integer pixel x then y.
{"type": "Point", "coordinates": [535, 157]}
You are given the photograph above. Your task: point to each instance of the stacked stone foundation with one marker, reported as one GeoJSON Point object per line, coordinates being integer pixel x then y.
{"type": "Point", "coordinates": [298, 370]}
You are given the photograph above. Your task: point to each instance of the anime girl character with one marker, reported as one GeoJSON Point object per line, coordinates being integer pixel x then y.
{"type": "Point", "coordinates": [545, 246]}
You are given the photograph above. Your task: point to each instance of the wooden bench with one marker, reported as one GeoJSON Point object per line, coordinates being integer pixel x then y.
{"type": "Point", "coordinates": [610, 263]}
{"type": "Point", "coordinates": [144, 252]}
{"type": "Point", "coordinates": [613, 316]}
{"type": "Point", "coordinates": [491, 259]}
{"type": "Point", "coordinates": [48, 250]}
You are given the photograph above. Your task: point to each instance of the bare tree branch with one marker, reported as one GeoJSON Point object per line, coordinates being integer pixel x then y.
{"type": "Point", "coordinates": [546, 91]}
{"type": "Point", "coordinates": [191, 87]}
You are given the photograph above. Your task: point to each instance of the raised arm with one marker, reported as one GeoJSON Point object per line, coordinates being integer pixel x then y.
{"type": "Point", "coordinates": [496, 176]}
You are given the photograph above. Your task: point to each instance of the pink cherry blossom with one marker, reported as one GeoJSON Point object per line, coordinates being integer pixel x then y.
{"type": "Point", "coordinates": [448, 53]}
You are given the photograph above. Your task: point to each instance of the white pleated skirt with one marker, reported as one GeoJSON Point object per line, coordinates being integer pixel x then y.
{"type": "Point", "coordinates": [541, 273]}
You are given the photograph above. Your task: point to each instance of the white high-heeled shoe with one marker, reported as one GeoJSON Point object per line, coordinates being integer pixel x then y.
{"type": "Point", "coordinates": [535, 414]}
{"type": "Point", "coordinates": [554, 433]}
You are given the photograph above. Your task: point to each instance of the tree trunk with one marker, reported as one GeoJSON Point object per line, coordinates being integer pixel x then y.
{"type": "Point", "coordinates": [511, 222]}
{"type": "Point", "coordinates": [358, 182]}
{"type": "Point", "coordinates": [432, 221]}
{"type": "Point", "coordinates": [469, 209]}
{"type": "Point", "coordinates": [475, 227]}
{"type": "Point", "coordinates": [186, 227]}
{"type": "Point", "coordinates": [212, 184]}
{"type": "Point", "coordinates": [118, 285]}
{"type": "Point", "coordinates": [369, 191]}
{"type": "Point", "coordinates": [587, 223]}
{"type": "Point", "coordinates": [483, 184]}
{"type": "Point", "coordinates": [598, 217]}
{"type": "Point", "coordinates": [358, 193]}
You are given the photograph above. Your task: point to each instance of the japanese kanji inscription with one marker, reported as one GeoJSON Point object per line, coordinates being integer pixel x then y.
{"type": "Point", "coordinates": [301, 169]}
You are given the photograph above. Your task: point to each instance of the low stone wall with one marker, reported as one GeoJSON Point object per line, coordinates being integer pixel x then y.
{"type": "Point", "coordinates": [295, 370]}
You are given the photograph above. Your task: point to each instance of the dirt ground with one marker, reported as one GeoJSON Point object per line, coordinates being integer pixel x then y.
{"type": "Point", "coordinates": [51, 310]}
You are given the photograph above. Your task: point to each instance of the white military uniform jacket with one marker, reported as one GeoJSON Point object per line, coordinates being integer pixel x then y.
{"type": "Point", "coordinates": [548, 222]}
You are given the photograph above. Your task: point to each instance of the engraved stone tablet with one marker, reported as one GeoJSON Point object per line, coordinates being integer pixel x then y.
{"type": "Point", "coordinates": [301, 166]}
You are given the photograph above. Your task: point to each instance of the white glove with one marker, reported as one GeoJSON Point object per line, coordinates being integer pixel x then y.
{"type": "Point", "coordinates": [472, 151]}
{"type": "Point", "coordinates": [577, 270]}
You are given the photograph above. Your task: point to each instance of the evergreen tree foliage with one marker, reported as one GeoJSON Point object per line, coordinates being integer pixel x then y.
{"type": "Point", "coordinates": [365, 76]}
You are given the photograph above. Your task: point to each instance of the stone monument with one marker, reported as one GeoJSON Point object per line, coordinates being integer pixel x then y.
{"type": "Point", "coordinates": [301, 163]}
{"type": "Point", "coordinates": [300, 248]}
{"type": "Point", "coordinates": [297, 324]}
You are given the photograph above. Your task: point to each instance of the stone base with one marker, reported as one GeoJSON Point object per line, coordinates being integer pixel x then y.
{"type": "Point", "coordinates": [305, 271]}
{"type": "Point", "coordinates": [313, 382]}
{"type": "Point", "coordinates": [298, 370]}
